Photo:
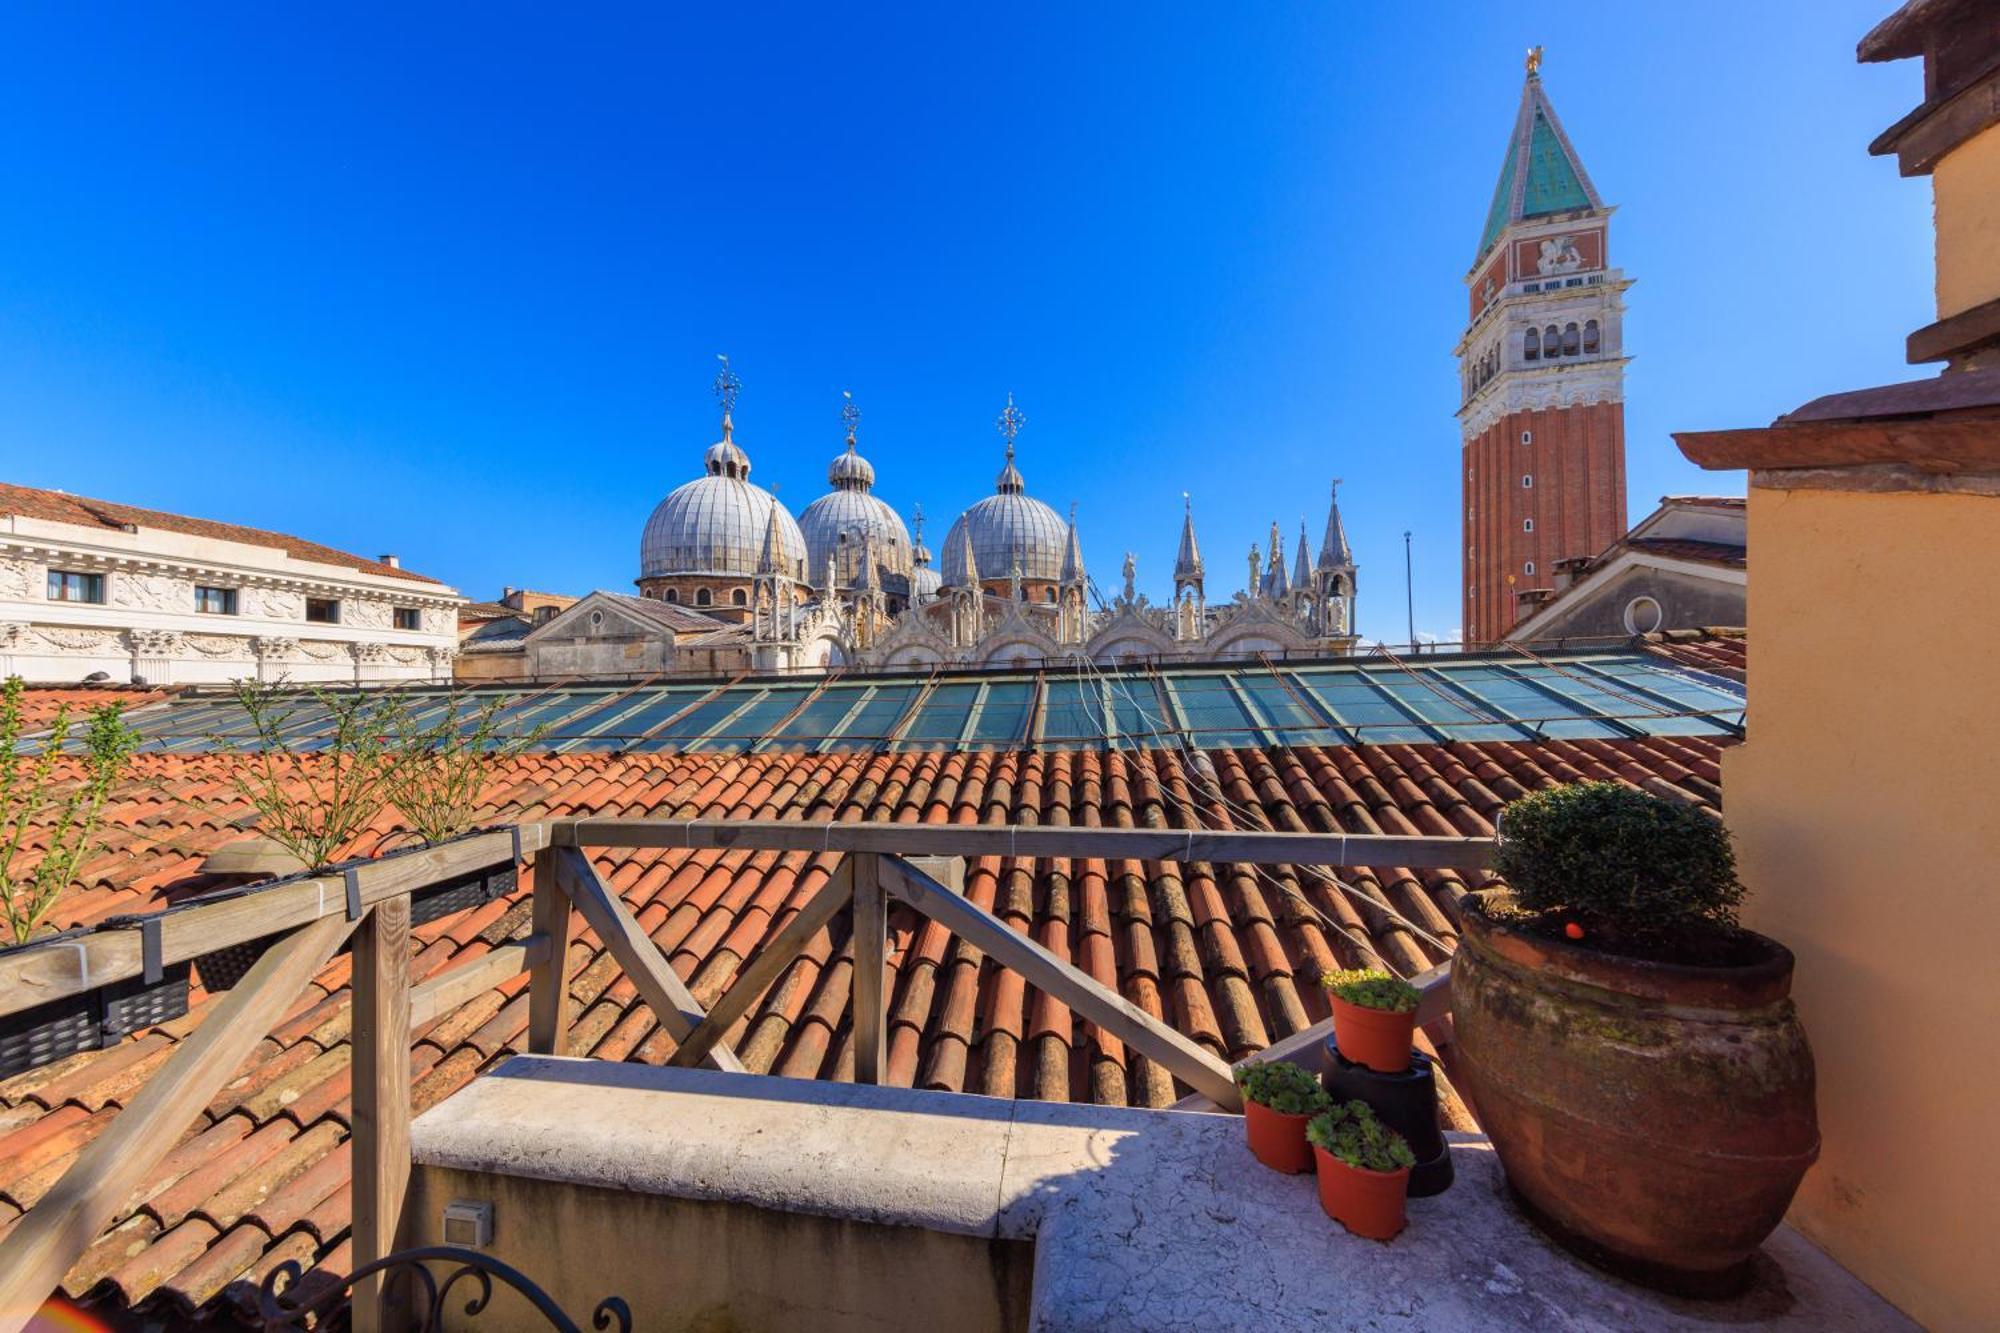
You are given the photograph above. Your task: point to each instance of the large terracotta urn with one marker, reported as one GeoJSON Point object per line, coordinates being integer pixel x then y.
{"type": "Point", "coordinates": [1653, 1117]}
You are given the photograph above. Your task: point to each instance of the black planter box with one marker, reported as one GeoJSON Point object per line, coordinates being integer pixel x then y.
{"type": "Point", "coordinates": [89, 1022]}
{"type": "Point", "coordinates": [460, 894]}
{"type": "Point", "coordinates": [1406, 1102]}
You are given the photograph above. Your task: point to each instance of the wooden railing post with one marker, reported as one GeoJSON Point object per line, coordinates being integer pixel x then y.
{"type": "Point", "coordinates": [381, 1041]}
{"type": "Point", "coordinates": [871, 944]}
{"type": "Point", "coordinates": [548, 984]}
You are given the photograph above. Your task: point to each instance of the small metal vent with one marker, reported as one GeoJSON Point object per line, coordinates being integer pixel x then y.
{"type": "Point", "coordinates": [468, 1224]}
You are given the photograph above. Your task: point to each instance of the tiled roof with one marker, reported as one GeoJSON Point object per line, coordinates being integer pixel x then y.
{"type": "Point", "coordinates": [62, 507]}
{"type": "Point", "coordinates": [671, 615]}
{"type": "Point", "coordinates": [1221, 951]}
{"type": "Point", "coordinates": [1718, 651]}
{"type": "Point", "coordinates": [1681, 548]}
{"type": "Point", "coordinates": [39, 703]}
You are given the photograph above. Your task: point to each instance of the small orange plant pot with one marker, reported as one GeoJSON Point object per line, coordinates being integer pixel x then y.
{"type": "Point", "coordinates": [1367, 1203]}
{"type": "Point", "coordinates": [1378, 1038]}
{"type": "Point", "coordinates": [1276, 1139]}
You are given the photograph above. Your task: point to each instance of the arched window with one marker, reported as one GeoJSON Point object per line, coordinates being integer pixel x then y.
{"type": "Point", "coordinates": [1052, 594]}
{"type": "Point", "coordinates": [672, 594]}
{"type": "Point", "coordinates": [739, 597]}
{"type": "Point", "coordinates": [1590, 336]}
{"type": "Point", "coordinates": [1527, 481]}
{"type": "Point", "coordinates": [701, 597]}
{"type": "Point", "coordinates": [1570, 340]}
{"type": "Point", "coordinates": [1528, 568]}
{"type": "Point", "coordinates": [1552, 341]}
{"type": "Point", "coordinates": [1527, 525]}
{"type": "Point", "coordinates": [1531, 345]}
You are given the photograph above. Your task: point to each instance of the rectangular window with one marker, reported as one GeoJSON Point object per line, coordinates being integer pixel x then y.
{"type": "Point", "coordinates": [409, 617]}
{"type": "Point", "coordinates": [215, 601]}
{"type": "Point", "coordinates": [323, 610]}
{"type": "Point", "coordinates": [68, 587]}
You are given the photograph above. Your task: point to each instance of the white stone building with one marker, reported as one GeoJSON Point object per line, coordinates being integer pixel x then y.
{"type": "Point", "coordinates": [90, 587]}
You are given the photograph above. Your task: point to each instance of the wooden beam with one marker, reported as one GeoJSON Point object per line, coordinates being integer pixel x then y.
{"type": "Point", "coordinates": [381, 1044]}
{"type": "Point", "coordinates": [548, 986]}
{"type": "Point", "coordinates": [658, 983]}
{"type": "Point", "coordinates": [1194, 1064]}
{"type": "Point", "coordinates": [44, 1243]}
{"type": "Point", "coordinates": [454, 986]}
{"type": "Point", "coordinates": [767, 963]}
{"type": "Point", "coordinates": [1336, 849]}
{"type": "Point", "coordinates": [33, 976]}
{"type": "Point", "coordinates": [871, 946]}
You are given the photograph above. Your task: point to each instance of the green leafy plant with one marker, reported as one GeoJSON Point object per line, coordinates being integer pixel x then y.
{"type": "Point", "coordinates": [1282, 1086]}
{"type": "Point", "coordinates": [30, 790]}
{"type": "Point", "coordinates": [313, 806]}
{"type": "Point", "coordinates": [1372, 988]}
{"type": "Point", "coordinates": [1354, 1134]}
{"type": "Point", "coordinates": [444, 763]}
{"type": "Point", "coordinates": [1645, 865]}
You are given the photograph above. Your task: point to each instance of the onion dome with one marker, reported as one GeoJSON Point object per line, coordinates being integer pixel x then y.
{"type": "Point", "coordinates": [1009, 530]}
{"type": "Point", "coordinates": [720, 523]}
{"type": "Point", "coordinates": [840, 523]}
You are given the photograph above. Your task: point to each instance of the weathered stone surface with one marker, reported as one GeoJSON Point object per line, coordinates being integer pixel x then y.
{"type": "Point", "coordinates": [1140, 1219]}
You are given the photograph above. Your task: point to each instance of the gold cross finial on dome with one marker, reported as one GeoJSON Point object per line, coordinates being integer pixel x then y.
{"type": "Point", "coordinates": [1534, 61]}
{"type": "Point", "coordinates": [917, 521]}
{"type": "Point", "coordinates": [726, 385]}
{"type": "Point", "coordinates": [1010, 421]}
{"type": "Point", "coordinates": [850, 414]}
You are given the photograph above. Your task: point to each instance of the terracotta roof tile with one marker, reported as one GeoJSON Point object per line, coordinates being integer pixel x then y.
{"type": "Point", "coordinates": [1229, 954]}
{"type": "Point", "coordinates": [62, 507]}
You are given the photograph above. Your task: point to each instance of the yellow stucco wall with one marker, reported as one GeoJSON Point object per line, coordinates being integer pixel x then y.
{"type": "Point", "coordinates": [1866, 810]}
{"type": "Point", "coordinates": [1966, 192]}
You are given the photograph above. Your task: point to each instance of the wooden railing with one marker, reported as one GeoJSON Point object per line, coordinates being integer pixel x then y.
{"type": "Point", "coordinates": [313, 916]}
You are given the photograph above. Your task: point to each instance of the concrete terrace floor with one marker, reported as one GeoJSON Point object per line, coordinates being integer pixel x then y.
{"type": "Point", "coordinates": [1139, 1219]}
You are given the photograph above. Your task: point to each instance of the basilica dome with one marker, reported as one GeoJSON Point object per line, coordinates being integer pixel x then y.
{"type": "Point", "coordinates": [717, 524]}
{"type": "Point", "coordinates": [841, 521]}
{"type": "Point", "coordinates": [1009, 528]}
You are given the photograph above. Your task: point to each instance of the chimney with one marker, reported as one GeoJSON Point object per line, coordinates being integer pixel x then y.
{"type": "Point", "coordinates": [392, 560]}
{"type": "Point", "coordinates": [1533, 599]}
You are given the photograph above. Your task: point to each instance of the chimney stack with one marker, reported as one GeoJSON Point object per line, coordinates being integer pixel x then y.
{"type": "Point", "coordinates": [392, 560]}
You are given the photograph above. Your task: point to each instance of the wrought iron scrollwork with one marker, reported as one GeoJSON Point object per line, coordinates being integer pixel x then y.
{"type": "Point", "coordinates": [279, 1305]}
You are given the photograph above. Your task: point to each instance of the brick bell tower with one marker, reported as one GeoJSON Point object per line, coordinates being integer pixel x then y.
{"type": "Point", "coordinates": [1542, 375]}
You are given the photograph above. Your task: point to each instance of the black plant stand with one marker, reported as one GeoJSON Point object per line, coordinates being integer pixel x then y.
{"type": "Point", "coordinates": [1406, 1102]}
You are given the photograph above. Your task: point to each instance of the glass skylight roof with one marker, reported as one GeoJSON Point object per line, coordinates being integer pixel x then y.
{"type": "Point", "coordinates": [1364, 700]}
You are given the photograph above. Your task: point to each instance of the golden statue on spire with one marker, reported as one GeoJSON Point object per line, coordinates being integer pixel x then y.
{"type": "Point", "coordinates": [1534, 61]}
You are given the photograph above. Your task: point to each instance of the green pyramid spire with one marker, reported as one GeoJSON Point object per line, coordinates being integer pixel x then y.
{"type": "Point", "coordinates": [1541, 173]}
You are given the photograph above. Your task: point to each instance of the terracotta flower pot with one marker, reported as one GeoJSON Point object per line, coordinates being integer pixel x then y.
{"type": "Point", "coordinates": [1367, 1203]}
{"type": "Point", "coordinates": [1276, 1139]}
{"type": "Point", "coordinates": [1656, 1118]}
{"type": "Point", "coordinates": [1378, 1038]}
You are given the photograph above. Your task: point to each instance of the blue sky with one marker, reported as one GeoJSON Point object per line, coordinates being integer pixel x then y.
{"type": "Point", "coordinates": [451, 283]}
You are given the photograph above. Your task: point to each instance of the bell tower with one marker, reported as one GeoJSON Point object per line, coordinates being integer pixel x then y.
{"type": "Point", "coordinates": [1542, 375]}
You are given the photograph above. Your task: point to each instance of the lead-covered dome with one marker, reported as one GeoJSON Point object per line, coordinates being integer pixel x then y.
{"type": "Point", "coordinates": [841, 521]}
{"type": "Point", "coordinates": [1009, 529]}
{"type": "Point", "coordinates": [717, 524]}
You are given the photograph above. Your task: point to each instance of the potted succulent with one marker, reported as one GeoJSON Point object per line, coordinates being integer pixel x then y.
{"type": "Point", "coordinates": [1632, 1053]}
{"type": "Point", "coordinates": [1374, 1018]}
{"type": "Point", "coordinates": [1364, 1169]}
{"type": "Point", "coordinates": [1278, 1099]}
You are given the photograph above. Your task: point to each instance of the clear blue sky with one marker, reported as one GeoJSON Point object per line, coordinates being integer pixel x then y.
{"type": "Point", "coordinates": [450, 282]}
